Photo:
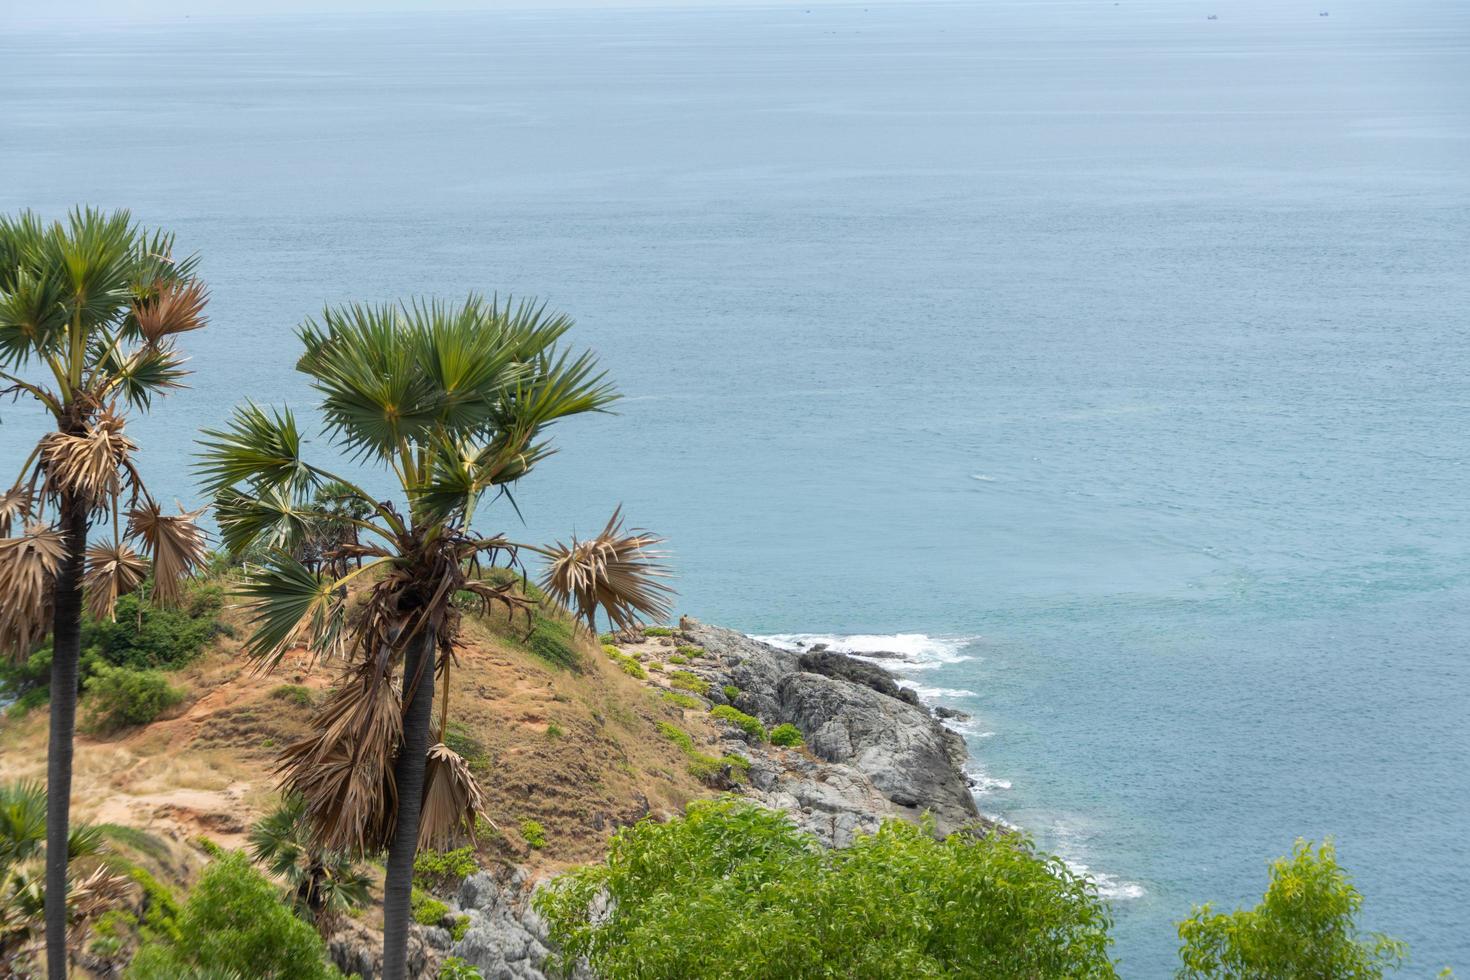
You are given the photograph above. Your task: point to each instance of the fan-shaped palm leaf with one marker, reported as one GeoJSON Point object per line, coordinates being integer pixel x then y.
{"type": "Point", "coordinates": [271, 517]}
{"type": "Point", "coordinates": [28, 566]}
{"type": "Point", "coordinates": [291, 604]}
{"type": "Point", "coordinates": [15, 506]}
{"type": "Point", "coordinates": [452, 800]}
{"type": "Point", "coordinates": [344, 769]}
{"type": "Point", "coordinates": [256, 449]}
{"type": "Point", "coordinates": [89, 466]}
{"type": "Point", "coordinates": [112, 571]}
{"type": "Point", "coordinates": [178, 308]}
{"type": "Point", "coordinates": [174, 541]}
{"type": "Point", "coordinates": [614, 572]}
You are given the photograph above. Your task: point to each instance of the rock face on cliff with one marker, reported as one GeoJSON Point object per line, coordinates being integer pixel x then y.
{"type": "Point", "coordinates": [853, 715]}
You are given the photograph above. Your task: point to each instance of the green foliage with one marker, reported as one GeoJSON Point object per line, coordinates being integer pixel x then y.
{"type": "Point", "coordinates": [731, 692]}
{"type": "Point", "coordinates": [208, 845]}
{"type": "Point", "coordinates": [454, 968]}
{"type": "Point", "coordinates": [678, 658]}
{"type": "Point", "coordinates": [658, 631]}
{"type": "Point", "coordinates": [630, 666]}
{"type": "Point", "coordinates": [294, 694]}
{"type": "Point", "coordinates": [676, 735]}
{"type": "Point", "coordinates": [459, 928]}
{"type": "Point", "coordinates": [682, 700]}
{"type": "Point", "coordinates": [437, 870]}
{"type": "Point", "coordinates": [748, 724]}
{"type": "Point", "coordinates": [118, 697]}
{"type": "Point", "coordinates": [787, 735]}
{"type": "Point", "coordinates": [689, 651]}
{"type": "Point", "coordinates": [137, 840]}
{"type": "Point", "coordinates": [425, 908]}
{"type": "Point", "coordinates": [467, 746]}
{"type": "Point", "coordinates": [1305, 927]}
{"type": "Point", "coordinates": [688, 681]}
{"type": "Point", "coordinates": [159, 909]}
{"type": "Point", "coordinates": [235, 921]}
{"type": "Point", "coordinates": [143, 637]}
{"type": "Point", "coordinates": [553, 730]}
{"type": "Point", "coordinates": [555, 641]}
{"type": "Point", "coordinates": [655, 666]}
{"type": "Point", "coordinates": [718, 771]}
{"type": "Point", "coordinates": [322, 883]}
{"type": "Point", "coordinates": [732, 890]}
{"type": "Point", "coordinates": [534, 834]}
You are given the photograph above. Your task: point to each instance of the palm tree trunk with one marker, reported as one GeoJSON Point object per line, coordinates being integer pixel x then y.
{"type": "Point", "coordinates": [408, 774]}
{"type": "Point", "coordinates": [66, 649]}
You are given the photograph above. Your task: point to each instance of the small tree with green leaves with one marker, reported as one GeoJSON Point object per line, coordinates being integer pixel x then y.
{"type": "Point", "coordinates": [1306, 928]}
{"type": "Point", "coordinates": [453, 403]}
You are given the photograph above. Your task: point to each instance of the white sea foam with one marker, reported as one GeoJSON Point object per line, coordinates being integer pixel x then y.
{"type": "Point", "coordinates": [930, 693]}
{"type": "Point", "coordinates": [982, 477]}
{"type": "Point", "coordinates": [1108, 886]}
{"type": "Point", "coordinates": [915, 651]}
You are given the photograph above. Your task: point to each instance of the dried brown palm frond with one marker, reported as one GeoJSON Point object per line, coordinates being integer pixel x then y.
{"type": "Point", "coordinates": [89, 465]}
{"type": "Point", "coordinates": [28, 566]}
{"type": "Point", "coordinates": [15, 506]}
{"type": "Point", "coordinates": [344, 769]}
{"type": "Point", "coordinates": [99, 892]}
{"type": "Point", "coordinates": [615, 572]}
{"type": "Point", "coordinates": [452, 800]}
{"type": "Point", "coordinates": [112, 571]}
{"type": "Point", "coordinates": [175, 542]}
{"type": "Point", "coordinates": [178, 308]}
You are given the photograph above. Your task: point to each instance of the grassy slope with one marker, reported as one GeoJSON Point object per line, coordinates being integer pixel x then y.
{"type": "Point", "coordinates": [206, 768]}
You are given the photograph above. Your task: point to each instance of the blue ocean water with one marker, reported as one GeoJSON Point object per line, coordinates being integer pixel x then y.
{"type": "Point", "coordinates": [1107, 360]}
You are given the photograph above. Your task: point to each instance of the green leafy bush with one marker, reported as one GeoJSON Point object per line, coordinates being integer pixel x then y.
{"type": "Point", "coordinates": [553, 730]}
{"type": "Point", "coordinates": [655, 666]}
{"type": "Point", "coordinates": [732, 890]}
{"type": "Point", "coordinates": [235, 921]}
{"type": "Point", "coordinates": [718, 772]}
{"type": "Point", "coordinates": [459, 928]}
{"type": "Point", "coordinates": [534, 834]}
{"type": "Point", "coordinates": [1305, 927]}
{"type": "Point", "coordinates": [787, 735]}
{"type": "Point", "coordinates": [425, 908]}
{"type": "Point", "coordinates": [676, 735]}
{"type": "Point", "coordinates": [682, 700]}
{"type": "Point", "coordinates": [731, 692]}
{"type": "Point", "coordinates": [688, 681]}
{"type": "Point", "coordinates": [118, 697]}
{"type": "Point", "coordinates": [658, 631]}
{"type": "Point", "coordinates": [748, 724]}
{"type": "Point", "coordinates": [678, 658]}
{"type": "Point", "coordinates": [438, 870]}
{"type": "Point", "coordinates": [454, 968]}
{"type": "Point", "coordinates": [689, 651]}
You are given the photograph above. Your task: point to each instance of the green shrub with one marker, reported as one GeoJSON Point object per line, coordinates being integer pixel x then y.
{"type": "Point", "coordinates": [678, 658]}
{"type": "Point", "coordinates": [235, 921]}
{"type": "Point", "coordinates": [467, 746]}
{"type": "Point", "coordinates": [1305, 927]}
{"type": "Point", "coordinates": [631, 667]}
{"type": "Point", "coordinates": [534, 834]}
{"type": "Point", "coordinates": [655, 666]}
{"type": "Point", "coordinates": [682, 700]}
{"type": "Point", "coordinates": [786, 735]}
{"type": "Point", "coordinates": [437, 870]}
{"type": "Point", "coordinates": [676, 735]}
{"type": "Point", "coordinates": [459, 928]}
{"type": "Point", "coordinates": [454, 968]}
{"type": "Point", "coordinates": [689, 651]}
{"type": "Point", "coordinates": [294, 694]}
{"type": "Point", "coordinates": [688, 898]}
{"type": "Point", "coordinates": [553, 730]}
{"type": "Point", "coordinates": [731, 692]}
{"type": "Point", "coordinates": [710, 770]}
{"type": "Point", "coordinates": [688, 681]}
{"type": "Point", "coordinates": [118, 697]}
{"type": "Point", "coordinates": [137, 840]}
{"type": "Point", "coordinates": [658, 631]}
{"type": "Point", "coordinates": [748, 724]}
{"type": "Point", "coordinates": [554, 640]}
{"type": "Point", "coordinates": [425, 908]}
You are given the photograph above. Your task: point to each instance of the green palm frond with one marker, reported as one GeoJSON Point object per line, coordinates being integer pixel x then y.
{"type": "Point", "coordinates": [290, 604]}
{"type": "Point", "coordinates": [32, 315]}
{"type": "Point", "coordinates": [258, 449]}
{"type": "Point", "coordinates": [94, 251]}
{"type": "Point", "coordinates": [469, 365]}
{"type": "Point", "coordinates": [271, 517]}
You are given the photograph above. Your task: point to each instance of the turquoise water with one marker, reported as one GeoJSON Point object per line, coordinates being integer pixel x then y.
{"type": "Point", "coordinates": [1114, 356]}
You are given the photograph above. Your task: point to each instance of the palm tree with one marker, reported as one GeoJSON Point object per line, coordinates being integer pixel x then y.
{"type": "Point", "coordinates": [90, 308]}
{"type": "Point", "coordinates": [323, 884]}
{"type": "Point", "coordinates": [452, 402]}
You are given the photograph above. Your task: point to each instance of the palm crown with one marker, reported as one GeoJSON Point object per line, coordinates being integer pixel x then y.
{"type": "Point", "coordinates": [89, 312]}
{"type": "Point", "coordinates": [454, 401]}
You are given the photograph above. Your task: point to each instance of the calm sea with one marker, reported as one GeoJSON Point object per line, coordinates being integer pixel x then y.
{"type": "Point", "coordinates": [1108, 360]}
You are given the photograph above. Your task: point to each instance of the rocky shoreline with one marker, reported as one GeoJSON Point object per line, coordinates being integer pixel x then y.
{"type": "Point", "coordinates": [873, 751]}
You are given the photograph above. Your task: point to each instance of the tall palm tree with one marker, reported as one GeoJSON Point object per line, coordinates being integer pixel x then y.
{"type": "Point", "coordinates": [452, 401]}
{"type": "Point", "coordinates": [89, 310]}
